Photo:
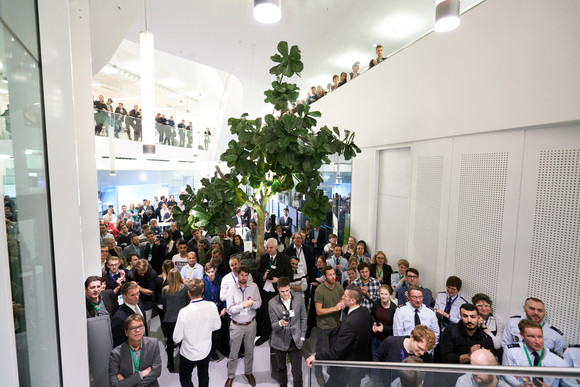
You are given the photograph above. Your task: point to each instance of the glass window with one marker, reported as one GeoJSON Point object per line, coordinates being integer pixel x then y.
{"type": "Point", "coordinates": [26, 209]}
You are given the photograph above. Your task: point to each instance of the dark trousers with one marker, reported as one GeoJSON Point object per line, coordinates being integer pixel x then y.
{"type": "Point", "coordinates": [264, 324]}
{"type": "Point", "coordinates": [168, 328]}
{"type": "Point", "coordinates": [295, 356]}
{"type": "Point", "coordinates": [186, 369]}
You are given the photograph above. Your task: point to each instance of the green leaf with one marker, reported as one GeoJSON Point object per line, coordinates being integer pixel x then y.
{"type": "Point", "coordinates": [283, 48]}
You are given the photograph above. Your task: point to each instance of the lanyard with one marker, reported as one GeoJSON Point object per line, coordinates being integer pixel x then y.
{"type": "Point", "coordinates": [190, 271]}
{"type": "Point", "coordinates": [530, 360]}
{"type": "Point", "coordinates": [379, 272]}
{"type": "Point", "coordinates": [135, 361]}
{"type": "Point", "coordinates": [273, 261]}
{"type": "Point", "coordinates": [196, 301]}
{"type": "Point", "coordinates": [234, 277]}
{"type": "Point", "coordinates": [97, 307]}
{"type": "Point", "coordinates": [402, 354]}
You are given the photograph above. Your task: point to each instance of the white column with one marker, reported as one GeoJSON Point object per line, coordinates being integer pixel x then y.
{"type": "Point", "coordinates": [67, 79]}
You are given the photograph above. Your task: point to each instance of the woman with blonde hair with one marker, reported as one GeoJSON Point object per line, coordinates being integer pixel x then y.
{"type": "Point", "coordinates": [380, 269]}
{"type": "Point", "coordinates": [173, 297]}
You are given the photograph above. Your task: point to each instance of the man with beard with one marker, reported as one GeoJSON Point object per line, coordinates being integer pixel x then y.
{"type": "Point", "coordinates": [535, 310]}
{"type": "Point", "coordinates": [459, 340]}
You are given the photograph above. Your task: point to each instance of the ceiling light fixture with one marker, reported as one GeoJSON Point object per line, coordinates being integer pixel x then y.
{"type": "Point", "coordinates": [446, 15]}
{"type": "Point", "coordinates": [267, 11]}
{"type": "Point", "coordinates": [147, 85]}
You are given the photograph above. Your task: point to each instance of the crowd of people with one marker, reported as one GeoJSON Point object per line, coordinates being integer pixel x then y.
{"type": "Point", "coordinates": [131, 123]}
{"type": "Point", "coordinates": [210, 300]}
{"type": "Point", "coordinates": [317, 92]}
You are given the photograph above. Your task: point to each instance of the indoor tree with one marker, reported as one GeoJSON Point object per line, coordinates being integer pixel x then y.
{"type": "Point", "coordinates": [284, 151]}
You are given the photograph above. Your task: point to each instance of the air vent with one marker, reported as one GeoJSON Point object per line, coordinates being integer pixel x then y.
{"type": "Point", "coordinates": [159, 160]}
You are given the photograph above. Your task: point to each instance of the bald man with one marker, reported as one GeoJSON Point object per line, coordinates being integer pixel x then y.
{"type": "Point", "coordinates": [481, 357]}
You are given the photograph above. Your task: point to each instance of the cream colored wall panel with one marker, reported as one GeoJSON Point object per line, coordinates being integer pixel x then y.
{"type": "Point", "coordinates": [429, 209]}
{"type": "Point", "coordinates": [483, 213]}
{"type": "Point", "coordinates": [547, 259]}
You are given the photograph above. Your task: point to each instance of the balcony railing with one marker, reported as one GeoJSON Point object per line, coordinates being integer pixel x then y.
{"type": "Point", "coordinates": [441, 375]}
{"type": "Point", "coordinates": [130, 128]}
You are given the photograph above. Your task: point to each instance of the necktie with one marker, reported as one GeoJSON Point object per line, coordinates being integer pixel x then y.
{"type": "Point", "coordinates": [417, 319]}
{"type": "Point", "coordinates": [536, 358]}
{"type": "Point", "coordinates": [448, 305]}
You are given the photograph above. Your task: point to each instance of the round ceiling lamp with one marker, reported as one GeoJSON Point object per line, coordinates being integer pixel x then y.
{"type": "Point", "coordinates": [267, 11]}
{"type": "Point", "coordinates": [446, 15]}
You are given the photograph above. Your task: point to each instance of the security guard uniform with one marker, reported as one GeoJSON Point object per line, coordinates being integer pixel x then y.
{"type": "Point", "coordinates": [553, 337]}
{"type": "Point", "coordinates": [521, 355]}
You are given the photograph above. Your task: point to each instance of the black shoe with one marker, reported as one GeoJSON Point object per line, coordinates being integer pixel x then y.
{"type": "Point", "coordinates": [261, 341]}
{"type": "Point", "coordinates": [214, 355]}
{"type": "Point", "coordinates": [170, 367]}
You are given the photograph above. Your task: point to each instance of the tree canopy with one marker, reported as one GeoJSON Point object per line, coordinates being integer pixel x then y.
{"type": "Point", "coordinates": [272, 155]}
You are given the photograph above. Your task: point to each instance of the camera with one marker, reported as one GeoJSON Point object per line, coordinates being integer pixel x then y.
{"type": "Point", "coordinates": [286, 315]}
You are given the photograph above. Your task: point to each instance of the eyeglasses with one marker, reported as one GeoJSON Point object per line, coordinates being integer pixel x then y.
{"type": "Point", "coordinates": [138, 327]}
{"type": "Point", "coordinates": [412, 276]}
{"type": "Point", "coordinates": [416, 297]}
{"type": "Point", "coordinates": [483, 306]}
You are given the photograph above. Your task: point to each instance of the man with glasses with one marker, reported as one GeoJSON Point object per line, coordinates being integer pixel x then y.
{"type": "Point", "coordinates": [414, 313]}
{"type": "Point", "coordinates": [136, 362]}
{"type": "Point", "coordinates": [412, 280]}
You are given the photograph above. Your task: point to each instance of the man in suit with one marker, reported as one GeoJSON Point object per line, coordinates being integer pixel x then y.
{"type": "Point", "coordinates": [273, 265]}
{"type": "Point", "coordinates": [136, 362]}
{"type": "Point", "coordinates": [286, 223]}
{"type": "Point", "coordinates": [303, 252]}
{"type": "Point", "coordinates": [98, 302]}
{"type": "Point", "coordinates": [131, 305]}
{"type": "Point", "coordinates": [288, 318]}
{"type": "Point", "coordinates": [351, 342]}
{"type": "Point", "coordinates": [154, 251]}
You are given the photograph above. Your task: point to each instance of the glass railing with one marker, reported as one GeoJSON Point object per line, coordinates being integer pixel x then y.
{"type": "Point", "coordinates": [127, 127]}
{"type": "Point", "coordinates": [331, 373]}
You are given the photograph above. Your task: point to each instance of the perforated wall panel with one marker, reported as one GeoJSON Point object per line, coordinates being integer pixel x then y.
{"type": "Point", "coordinates": [428, 211]}
{"type": "Point", "coordinates": [482, 188]}
{"type": "Point", "coordinates": [555, 254]}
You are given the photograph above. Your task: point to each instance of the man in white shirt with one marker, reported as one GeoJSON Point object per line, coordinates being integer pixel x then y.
{"type": "Point", "coordinates": [242, 303]}
{"type": "Point", "coordinates": [414, 313]}
{"type": "Point", "coordinates": [193, 269]}
{"type": "Point", "coordinates": [180, 259]}
{"type": "Point", "coordinates": [194, 326]}
{"type": "Point", "coordinates": [231, 279]}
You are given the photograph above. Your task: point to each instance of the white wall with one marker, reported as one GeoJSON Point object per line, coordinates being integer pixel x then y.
{"type": "Point", "coordinates": [484, 109]}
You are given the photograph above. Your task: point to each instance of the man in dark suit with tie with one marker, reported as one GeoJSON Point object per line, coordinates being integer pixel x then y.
{"type": "Point", "coordinates": [286, 223]}
{"type": "Point", "coordinates": [136, 362]}
{"type": "Point", "coordinates": [273, 265]}
{"type": "Point", "coordinates": [351, 342]}
{"type": "Point", "coordinates": [131, 305]}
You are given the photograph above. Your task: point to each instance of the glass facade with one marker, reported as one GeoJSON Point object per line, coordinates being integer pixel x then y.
{"type": "Point", "coordinates": [26, 202]}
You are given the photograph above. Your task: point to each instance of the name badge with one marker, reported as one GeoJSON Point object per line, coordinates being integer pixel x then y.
{"type": "Point", "coordinates": [291, 313]}
{"type": "Point", "coordinates": [244, 312]}
{"type": "Point", "coordinates": [273, 267]}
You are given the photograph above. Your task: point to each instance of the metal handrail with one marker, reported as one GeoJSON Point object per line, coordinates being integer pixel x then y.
{"type": "Point", "coordinates": [457, 368]}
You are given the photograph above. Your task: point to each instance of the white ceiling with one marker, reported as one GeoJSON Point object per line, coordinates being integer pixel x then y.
{"type": "Point", "coordinates": [332, 34]}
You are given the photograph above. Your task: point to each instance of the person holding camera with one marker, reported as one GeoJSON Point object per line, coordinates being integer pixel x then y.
{"type": "Point", "coordinates": [288, 317]}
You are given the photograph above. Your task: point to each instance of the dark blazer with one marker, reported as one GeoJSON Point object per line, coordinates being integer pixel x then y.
{"type": "Point", "coordinates": [353, 341]}
{"type": "Point", "coordinates": [158, 255]}
{"type": "Point", "coordinates": [308, 256]}
{"type": "Point", "coordinates": [111, 281]}
{"type": "Point", "coordinates": [109, 299]}
{"type": "Point", "coordinates": [283, 268]}
{"type": "Point", "coordinates": [121, 362]}
{"type": "Point", "coordinates": [320, 241]}
{"type": "Point", "coordinates": [286, 226]}
{"type": "Point", "coordinates": [117, 328]}
{"type": "Point", "coordinates": [387, 271]}
{"type": "Point", "coordinates": [281, 337]}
